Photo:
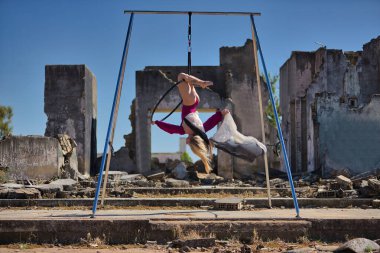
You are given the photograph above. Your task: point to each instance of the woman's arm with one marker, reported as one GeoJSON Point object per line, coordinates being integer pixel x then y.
{"type": "Point", "coordinates": [194, 80]}
{"type": "Point", "coordinates": [169, 128]}
{"type": "Point", "coordinates": [211, 122]}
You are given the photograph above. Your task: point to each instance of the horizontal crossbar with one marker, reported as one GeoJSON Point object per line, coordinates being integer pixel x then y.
{"type": "Point", "coordinates": [225, 13]}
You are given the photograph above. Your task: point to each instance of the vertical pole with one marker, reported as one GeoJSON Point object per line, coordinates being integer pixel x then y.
{"type": "Point", "coordinates": [189, 46]}
{"type": "Point", "coordinates": [115, 108]}
{"type": "Point", "coordinates": [109, 154]}
{"type": "Point", "coordinates": [261, 114]}
{"type": "Point", "coordinates": [286, 160]}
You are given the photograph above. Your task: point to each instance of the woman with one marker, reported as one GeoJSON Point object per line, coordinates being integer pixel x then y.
{"type": "Point", "coordinates": [191, 123]}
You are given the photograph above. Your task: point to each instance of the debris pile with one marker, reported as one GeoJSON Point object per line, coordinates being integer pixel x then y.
{"type": "Point", "coordinates": [181, 175]}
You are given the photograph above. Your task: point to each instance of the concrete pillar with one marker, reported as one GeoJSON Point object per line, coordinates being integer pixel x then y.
{"type": "Point", "coordinates": [182, 145]}
{"type": "Point", "coordinates": [71, 108]}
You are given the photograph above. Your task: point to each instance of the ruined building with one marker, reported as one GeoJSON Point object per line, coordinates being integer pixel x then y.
{"type": "Point", "coordinates": [69, 144]}
{"type": "Point", "coordinates": [330, 104]}
{"type": "Point", "coordinates": [235, 87]}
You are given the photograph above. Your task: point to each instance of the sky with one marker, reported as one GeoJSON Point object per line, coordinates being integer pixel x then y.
{"type": "Point", "coordinates": [42, 32]}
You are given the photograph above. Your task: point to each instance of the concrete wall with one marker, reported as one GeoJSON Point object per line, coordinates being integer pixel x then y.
{"type": "Point", "coordinates": [235, 87]}
{"type": "Point", "coordinates": [325, 95]}
{"type": "Point", "coordinates": [71, 108]}
{"type": "Point", "coordinates": [30, 157]}
{"type": "Point", "coordinates": [348, 138]}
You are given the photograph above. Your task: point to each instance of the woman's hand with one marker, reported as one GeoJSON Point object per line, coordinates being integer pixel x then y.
{"type": "Point", "coordinates": [224, 112]}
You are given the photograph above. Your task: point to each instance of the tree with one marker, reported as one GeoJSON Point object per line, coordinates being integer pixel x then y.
{"type": "Point", "coordinates": [6, 114]}
{"type": "Point", "coordinates": [185, 157]}
{"type": "Point", "coordinates": [269, 112]}
{"type": "Point", "coordinates": [269, 109]}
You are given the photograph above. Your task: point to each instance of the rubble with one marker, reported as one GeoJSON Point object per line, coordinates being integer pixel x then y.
{"type": "Point", "coordinates": [180, 172]}
{"type": "Point", "coordinates": [12, 185]}
{"type": "Point", "coordinates": [344, 182]}
{"type": "Point", "coordinates": [22, 193]}
{"type": "Point", "coordinates": [156, 176]}
{"type": "Point", "coordinates": [86, 192]}
{"type": "Point", "coordinates": [119, 184]}
{"type": "Point", "coordinates": [359, 245]}
{"type": "Point", "coordinates": [117, 175]}
{"type": "Point", "coordinates": [67, 184]}
{"type": "Point", "coordinates": [171, 182]}
{"type": "Point", "coordinates": [376, 203]}
{"type": "Point", "coordinates": [374, 184]}
{"type": "Point", "coordinates": [193, 243]}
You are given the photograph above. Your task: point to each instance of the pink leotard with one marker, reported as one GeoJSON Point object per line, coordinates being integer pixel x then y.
{"type": "Point", "coordinates": [187, 109]}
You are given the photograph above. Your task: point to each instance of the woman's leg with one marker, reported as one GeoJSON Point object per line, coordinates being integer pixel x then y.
{"type": "Point", "coordinates": [186, 88]}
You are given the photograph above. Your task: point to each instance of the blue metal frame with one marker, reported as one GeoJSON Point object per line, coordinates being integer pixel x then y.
{"type": "Point", "coordinates": [288, 170]}
{"type": "Point", "coordinates": [115, 102]}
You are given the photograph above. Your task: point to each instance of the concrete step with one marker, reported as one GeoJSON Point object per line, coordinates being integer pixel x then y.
{"type": "Point", "coordinates": [138, 226]}
{"type": "Point", "coordinates": [193, 202]}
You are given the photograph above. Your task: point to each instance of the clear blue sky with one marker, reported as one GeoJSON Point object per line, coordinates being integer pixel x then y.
{"type": "Point", "coordinates": [40, 32]}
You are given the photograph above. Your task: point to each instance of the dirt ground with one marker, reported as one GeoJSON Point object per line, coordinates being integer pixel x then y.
{"type": "Point", "coordinates": [230, 247]}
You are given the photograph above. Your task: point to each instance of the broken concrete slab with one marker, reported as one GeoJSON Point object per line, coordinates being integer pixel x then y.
{"type": "Point", "coordinates": [131, 177]}
{"type": "Point", "coordinates": [376, 203]}
{"type": "Point", "coordinates": [360, 183]}
{"type": "Point", "coordinates": [12, 185]}
{"type": "Point", "coordinates": [87, 192]}
{"type": "Point", "coordinates": [180, 172]}
{"type": "Point", "coordinates": [47, 188]}
{"type": "Point", "coordinates": [115, 175]}
{"type": "Point", "coordinates": [67, 184]}
{"type": "Point", "coordinates": [359, 245]}
{"type": "Point", "coordinates": [156, 176]}
{"type": "Point", "coordinates": [344, 182]}
{"type": "Point", "coordinates": [171, 182]}
{"type": "Point", "coordinates": [208, 179]}
{"type": "Point", "coordinates": [23, 193]}
{"type": "Point", "coordinates": [374, 184]}
{"type": "Point", "coordinates": [193, 243]}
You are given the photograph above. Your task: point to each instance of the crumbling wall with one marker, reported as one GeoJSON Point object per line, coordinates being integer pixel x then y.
{"type": "Point", "coordinates": [71, 108]}
{"type": "Point", "coordinates": [348, 138]}
{"type": "Point", "coordinates": [349, 80]}
{"type": "Point", "coordinates": [30, 157]}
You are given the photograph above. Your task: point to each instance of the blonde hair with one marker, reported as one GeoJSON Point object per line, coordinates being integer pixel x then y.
{"type": "Point", "coordinates": [201, 149]}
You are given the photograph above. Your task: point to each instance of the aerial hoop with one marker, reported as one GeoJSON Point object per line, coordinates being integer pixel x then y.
{"type": "Point", "coordinates": [163, 96]}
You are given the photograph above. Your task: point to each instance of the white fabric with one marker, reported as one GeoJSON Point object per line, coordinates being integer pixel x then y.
{"type": "Point", "coordinates": [230, 140]}
{"type": "Point", "coordinates": [193, 117]}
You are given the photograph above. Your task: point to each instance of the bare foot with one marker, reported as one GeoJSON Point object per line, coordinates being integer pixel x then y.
{"type": "Point", "coordinates": [205, 84]}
